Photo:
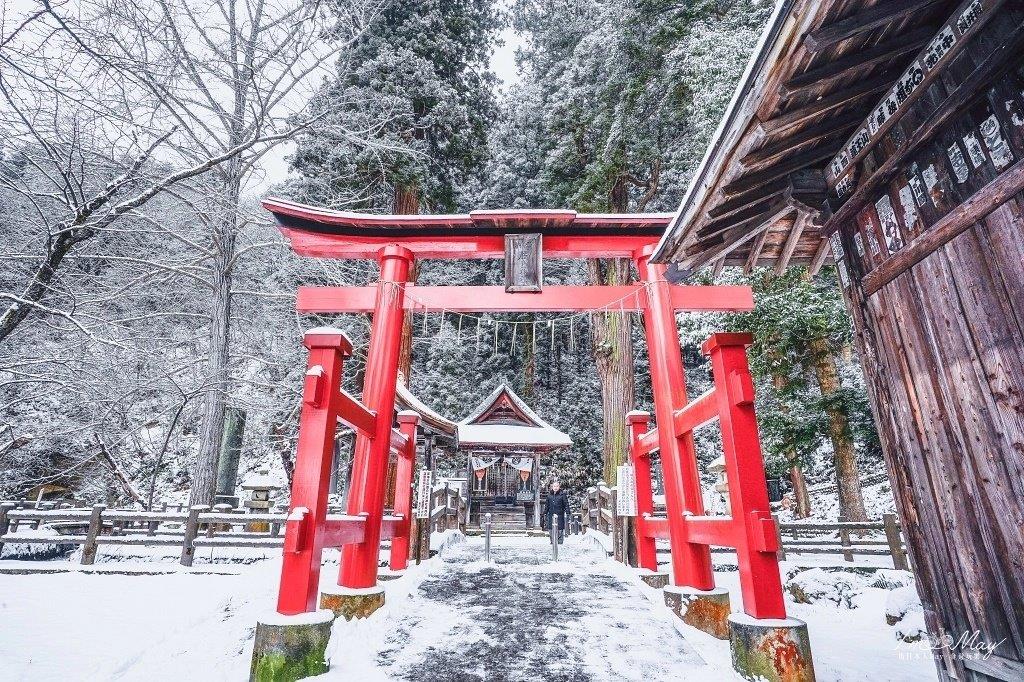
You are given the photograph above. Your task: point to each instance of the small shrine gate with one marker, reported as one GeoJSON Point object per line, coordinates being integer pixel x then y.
{"type": "Point", "coordinates": [523, 238]}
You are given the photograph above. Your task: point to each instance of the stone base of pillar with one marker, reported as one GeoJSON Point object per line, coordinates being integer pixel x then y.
{"type": "Point", "coordinates": [352, 602]}
{"type": "Point", "coordinates": [706, 610]}
{"type": "Point", "coordinates": [772, 650]}
{"type": "Point", "coordinates": [388, 574]}
{"type": "Point", "coordinates": [290, 648]}
{"type": "Point", "coordinates": [656, 579]}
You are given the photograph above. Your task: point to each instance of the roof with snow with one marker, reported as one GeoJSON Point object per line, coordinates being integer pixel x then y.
{"type": "Point", "coordinates": [822, 67]}
{"type": "Point", "coordinates": [296, 216]}
{"type": "Point", "coordinates": [504, 422]}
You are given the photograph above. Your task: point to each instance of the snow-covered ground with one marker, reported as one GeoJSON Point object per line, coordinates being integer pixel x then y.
{"type": "Point", "coordinates": [522, 616]}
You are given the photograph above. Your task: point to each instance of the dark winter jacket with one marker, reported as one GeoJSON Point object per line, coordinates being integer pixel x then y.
{"type": "Point", "coordinates": [557, 503]}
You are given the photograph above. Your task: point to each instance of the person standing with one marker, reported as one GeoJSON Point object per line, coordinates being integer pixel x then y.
{"type": "Point", "coordinates": [556, 505]}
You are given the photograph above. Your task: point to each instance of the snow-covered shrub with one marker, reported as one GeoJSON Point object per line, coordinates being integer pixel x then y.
{"type": "Point", "coordinates": [887, 579]}
{"type": "Point", "coordinates": [901, 602]}
{"type": "Point", "coordinates": [911, 628]}
{"type": "Point", "coordinates": [839, 587]}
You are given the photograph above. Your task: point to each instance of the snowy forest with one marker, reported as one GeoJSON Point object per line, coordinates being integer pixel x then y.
{"type": "Point", "coordinates": [147, 301]}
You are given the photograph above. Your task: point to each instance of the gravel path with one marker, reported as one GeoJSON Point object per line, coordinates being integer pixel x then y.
{"type": "Point", "coordinates": [526, 617]}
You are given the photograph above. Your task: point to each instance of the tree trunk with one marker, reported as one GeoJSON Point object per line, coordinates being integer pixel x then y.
{"type": "Point", "coordinates": [796, 470]}
{"type": "Point", "coordinates": [530, 366]}
{"type": "Point", "coordinates": [204, 474]}
{"type": "Point", "coordinates": [613, 353]}
{"type": "Point", "coordinates": [851, 501]}
{"type": "Point", "coordinates": [407, 202]}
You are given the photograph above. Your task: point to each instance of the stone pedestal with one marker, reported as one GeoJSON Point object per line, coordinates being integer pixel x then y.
{"type": "Point", "coordinates": [388, 574]}
{"type": "Point", "coordinates": [772, 650]}
{"type": "Point", "coordinates": [352, 602]}
{"type": "Point", "coordinates": [656, 579]}
{"type": "Point", "coordinates": [706, 610]}
{"type": "Point", "coordinates": [290, 648]}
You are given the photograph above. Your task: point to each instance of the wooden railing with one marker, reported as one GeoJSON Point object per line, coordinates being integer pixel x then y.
{"type": "Point", "coordinates": [190, 529]}
{"type": "Point", "coordinates": [846, 538]}
{"type": "Point", "coordinates": [447, 509]}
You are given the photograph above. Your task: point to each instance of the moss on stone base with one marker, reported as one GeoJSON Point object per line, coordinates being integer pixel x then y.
{"type": "Point", "coordinates": [285, 651]}
{"type": "Point", "coordinates": [706, 610]}
{"type": "Point", "coordinates": [352, 605]}
{"type": "Point", "coordinates": [772, 651]}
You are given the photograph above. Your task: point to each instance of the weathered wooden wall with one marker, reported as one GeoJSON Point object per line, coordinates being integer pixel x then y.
{"type": "Point", "coordinates": [942, 340]}
{"type": "Point", "coordinates": [944, 351]}
{"type": "Point", "coordinates": [930, 248]}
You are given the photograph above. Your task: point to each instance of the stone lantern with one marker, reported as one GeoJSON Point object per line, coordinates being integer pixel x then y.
{"type": "Point", "coordinates": [719, 503]}
{"type": "Point", "coordinates": [259, 485]}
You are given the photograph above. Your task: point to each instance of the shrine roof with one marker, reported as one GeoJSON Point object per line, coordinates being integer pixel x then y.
{"type": "Point", "coordinates": [821, 69]}
{"type": "Point", "coordinates": [504, 421]}
{"type": "Point", "coordinates": [295, 216]}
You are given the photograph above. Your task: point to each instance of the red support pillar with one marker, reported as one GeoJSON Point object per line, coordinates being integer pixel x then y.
{"type": "Point", "coordinates": [646, 551]}
{"type": "Point", "coordinates": [407, 422]}
{"type": "Point", "coordinates": [756, 541]}
{"type": "Point", "coordinates": [300, 572]}
{"type": "Point", "coordinates": [691, 562]}
{"type": "Point", "coordinates": [370, 461]}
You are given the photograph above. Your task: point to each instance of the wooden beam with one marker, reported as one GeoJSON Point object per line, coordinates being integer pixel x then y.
{"type": "Point", "coordinates": [796, 163]}
{"type": "Point", "coordinates": [837, 168]}
{"type": "Point", "coordinates": [355, 415]}
{"type": "Point", "coordinates": [795, 232]}
{"type": "Point", "coordinates": [755, 252]}
{"type": "Point", "coordinates": [826, 128]}
{"type": "Point", "coordinates": [882, 14]}
{"type": "Point", "coordinates": [957, 101]}
{"type": "Point", "coordinates": [824, 249]}
{"type": "Point", "coordinates": [803, 186]}
{"type": "Point", "coordinates": [855, 62]}
{"type": "Point", "coordinates": [719, 266]}
{"type": "Point", "coordinates": [954, 223]}
{"type": "Point", "coordinates": [470, 299]}
{"type": "Point", "coordinates": [841, 98]}
{"type": "Point", "coordinates": [734, 240]}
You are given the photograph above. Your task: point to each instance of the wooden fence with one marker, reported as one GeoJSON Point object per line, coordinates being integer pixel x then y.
{"type": "Point", "coordinates": [846, 538]}
{"type": "Point", "coordinates": [188, 528]}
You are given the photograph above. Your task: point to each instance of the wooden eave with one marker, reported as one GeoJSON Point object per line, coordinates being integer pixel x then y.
{"type": "Point", "coordinates": [819, 71]}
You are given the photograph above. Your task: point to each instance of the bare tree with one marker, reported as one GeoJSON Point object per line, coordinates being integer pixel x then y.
{"type": "Point", "coordinates": [207, 88]}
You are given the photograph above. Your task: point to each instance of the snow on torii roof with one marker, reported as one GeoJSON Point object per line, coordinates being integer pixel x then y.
{"type": "Point", "coordinates": [295, 216]}
{"type": "Point", "coordinates": [504, 422]}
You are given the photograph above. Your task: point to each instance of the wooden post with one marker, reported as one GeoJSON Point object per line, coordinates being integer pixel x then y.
{"type": "Point", "coordinates": [5, 523]}
{"type": "Point", "coordinates": [892, 534]}
{"type": "Point", "coordinates": [844, 537]}
{"type": "Point", "coordinates": [188, 549]}
{"type": "Point", "coordinates": [616, 535]}
{"type": "Point", "coordinates": [781, 553]}
{"type": "Point", "coordinates": [95, 526]}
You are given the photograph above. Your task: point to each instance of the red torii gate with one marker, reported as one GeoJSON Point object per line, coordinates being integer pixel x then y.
{"type": "Point", "coordinates": [395, 242]}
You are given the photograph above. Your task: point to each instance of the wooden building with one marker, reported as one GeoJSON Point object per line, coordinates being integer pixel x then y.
{"type": "Point", "coordinates": [505, 444]}
{"type": "Point", "coordinates": [888, 136]}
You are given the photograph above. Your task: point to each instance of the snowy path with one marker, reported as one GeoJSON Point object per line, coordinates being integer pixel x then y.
{"type": "Point", "coordinates": [525, 617]}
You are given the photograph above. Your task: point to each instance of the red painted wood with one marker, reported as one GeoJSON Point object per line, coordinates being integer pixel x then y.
{"type": "Point", "coordinates": [691, 562]}
{"type": "Point", "coordinates": [399, 557]}
{"type": "Point", "coordinates": [469, 299]}
{"type": "Point", "coordinates": [646, 552]}
{"type": "Point", "coordinates": [760, 582]}
{"type": "Point", "coordinates": [699, 412]}
{"type": "Point", "coordinates": [300, 571]}
{"type": "Point", "coordinates": [461, 247]}
{"type": "Point", "coordinates": [390, 526]}
{"type": "Point", "coordinates": [653, 528]}
{"type": "Point", "coordinates": [370, 459]}
{"type": "Point", "coordinates": [342, 530]}
{"type": "Point", "coordinates": [354, 415]}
